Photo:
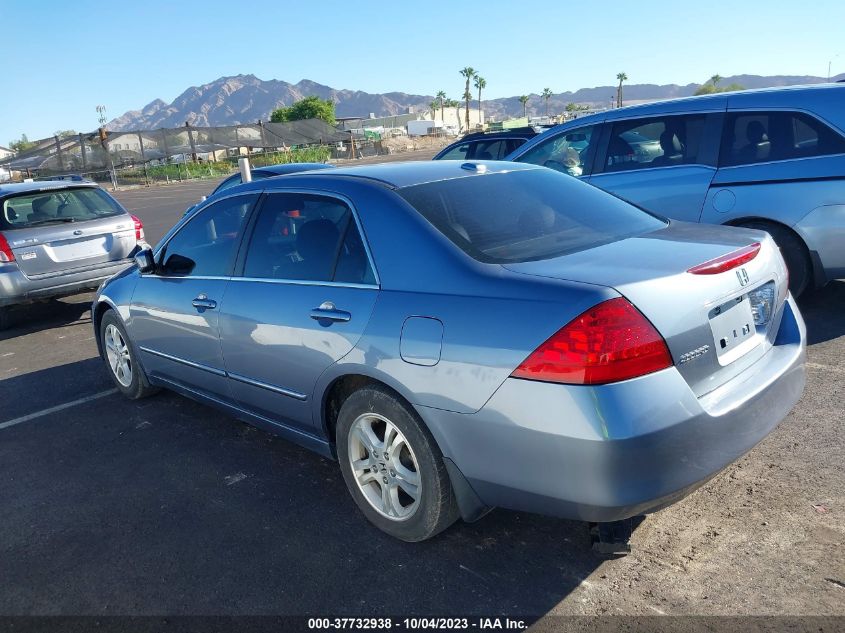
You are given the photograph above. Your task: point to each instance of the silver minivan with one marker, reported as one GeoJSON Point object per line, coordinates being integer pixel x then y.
{"type": "Point", "coordinates": [770, 159]}
{"type": "Point", "coordinates": [59, 238]}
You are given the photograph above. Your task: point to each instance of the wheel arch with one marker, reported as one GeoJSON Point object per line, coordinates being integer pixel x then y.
{"type": "Point", "coordinates": [470, 506]}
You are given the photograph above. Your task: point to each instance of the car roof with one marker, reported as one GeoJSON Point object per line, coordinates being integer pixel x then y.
{"type": "Point", "coordinates": [399, 174]}
{"type": "Point", "coordinates": [42, 185]}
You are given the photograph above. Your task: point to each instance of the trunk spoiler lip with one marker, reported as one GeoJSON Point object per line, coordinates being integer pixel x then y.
{"type": "Point", "coordinates": [728, 261]}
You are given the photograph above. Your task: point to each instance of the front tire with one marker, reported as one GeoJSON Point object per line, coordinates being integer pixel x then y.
{"type": "Point", "coordinates": [121, 360]}
{"type": "Point", "coordinates": [392, 466]}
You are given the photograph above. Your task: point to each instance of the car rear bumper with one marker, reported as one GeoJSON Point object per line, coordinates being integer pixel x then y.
{"type": "Point", "coordinates": [615, 451]}
{"type": "Point", "coordinates": [16, 288]}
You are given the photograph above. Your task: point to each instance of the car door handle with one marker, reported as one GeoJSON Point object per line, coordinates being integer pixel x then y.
{"type": "Point", "coordinates": [202, 302]}
{"type": "Point", "coordinates": [328, 312]}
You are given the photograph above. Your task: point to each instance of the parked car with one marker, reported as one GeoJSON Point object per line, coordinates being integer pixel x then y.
{"type": "Point", "coordinates": [487, 145]}
{"type": "Point", "coordinates": [269, 171]}
{"type": "Point", "coordinates": [58, 238]}
{"type": "Point", "coordinates": [765, 159]}
{"type": "Point", "coordinates": [461, 336]}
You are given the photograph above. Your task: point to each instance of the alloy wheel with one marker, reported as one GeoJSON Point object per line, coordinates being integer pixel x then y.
{"type": "Point", "coordinates": [384, 466]}
{"type": "Point", "coordinates": [117, 352]}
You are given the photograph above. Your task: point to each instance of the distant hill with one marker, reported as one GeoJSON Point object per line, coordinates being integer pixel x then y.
{"type": "Point", "coordinates": [247, 99]}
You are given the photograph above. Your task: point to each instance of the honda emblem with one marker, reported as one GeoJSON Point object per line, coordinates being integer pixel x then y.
{"type": "Point", "coordinates": [742, 275]}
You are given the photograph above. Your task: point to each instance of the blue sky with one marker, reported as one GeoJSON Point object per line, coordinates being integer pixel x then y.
{"type": "Point", "coordinates": [62, 58]}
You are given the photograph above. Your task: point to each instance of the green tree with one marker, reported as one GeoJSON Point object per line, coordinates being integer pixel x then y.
{"type": "Point", "coordinates": [65, 133]}
{"type": "Point", "coordinates": [307, 108]}
{"type": "Point", "coordinates": [433, 107]}
{"type": "Point", "coordinates": [21, 145]}
{"type": "Point", "coordinates": [524, 101]}
{"type": "Point", "coordinates": [547, 94]}
{"type": "Point", "coordinates": [468, 73]}
{"type": "Point", "coordinates": [441, 97]}
{"type": "Point", "coordinates": [621, 77]}
{"type": "Point", "coordinates": [711, 87]}
{"type": "Point", "coordinates": [480, 83]}
{"type": "Point", "coordinates": [715, 79]}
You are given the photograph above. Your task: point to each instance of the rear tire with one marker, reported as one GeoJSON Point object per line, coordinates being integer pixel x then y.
{"type": "Point", "coordinates": [392, 466]}
{"type": "Point", "coordinates": [794, 254]}
{"type": "Point", "coordinates": [121, 359]}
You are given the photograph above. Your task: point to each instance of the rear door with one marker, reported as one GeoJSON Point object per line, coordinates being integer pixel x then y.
{"type": "Point", "coordinates": [174, 311]}
{"type": "Point", "coordinates": [303, 297]}
{"type": "Point", "coordinates": [60, 230]}
{"type": "Point", "coordinates": [663, 163]}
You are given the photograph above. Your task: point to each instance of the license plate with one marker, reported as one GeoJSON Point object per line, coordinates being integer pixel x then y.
{"type": "Point", "coordinates": [732, 325]}
{"type": "Point", "coordinates": [70, 251]}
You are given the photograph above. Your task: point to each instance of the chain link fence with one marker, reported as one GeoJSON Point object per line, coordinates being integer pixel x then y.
{"type": "Point", "coordinates": [144, 157]}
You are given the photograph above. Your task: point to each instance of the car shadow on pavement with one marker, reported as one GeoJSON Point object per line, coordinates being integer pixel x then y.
{"type": "Point", "coordinates": [34, 317]}
{"type": "Point", "coordinates": [823, 312]}
{"type": "Point", "coordinates": [165, 506]}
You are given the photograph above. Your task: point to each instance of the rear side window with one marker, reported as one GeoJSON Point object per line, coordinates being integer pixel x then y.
{"type": "Point", "coordinates": [307, 238]}
{"type": "Point", "coordinates": [760, 137]}
{"type": "Point", "coordinates": [654, 142]}
{"type": "Point", "coordinates": [58, 206]}
{"type": "Point", "coordinates": [526, 215]}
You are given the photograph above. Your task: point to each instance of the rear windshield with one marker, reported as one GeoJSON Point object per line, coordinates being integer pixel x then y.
{"type": "Point", "coordinates": [526, 215]}
{"type": "Point", "coordinates": [57, 206]}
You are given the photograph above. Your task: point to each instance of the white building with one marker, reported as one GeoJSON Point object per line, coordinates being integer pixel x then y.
{"type": "Point", "coordinates": [5, 152]}
{"type": "Point", "coordinates": [456, 118]}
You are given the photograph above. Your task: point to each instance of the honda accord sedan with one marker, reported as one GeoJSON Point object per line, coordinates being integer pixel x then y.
{"type": "Point", "coordinates": [463, 336]}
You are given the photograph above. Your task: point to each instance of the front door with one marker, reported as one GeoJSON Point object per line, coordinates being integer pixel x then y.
{"type": "Point", "coordinates": [175, 310]}
{"type": "Point", "coordinates": [304, 297]}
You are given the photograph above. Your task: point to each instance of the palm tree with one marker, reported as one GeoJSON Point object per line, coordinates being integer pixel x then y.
{"type": "Point", "coordinates": [524, 101]}
{"type": "Point", "coordinates": [433, 107]}
{"type": "Point", "coordinates": [621, 77]}
{"type": "Point", "coordinates": [480, 83]}
{"type": "Point", "coordinates": [441, 96]}
{"type": "Point", "coordinates": [468, 73]}
{"type": "Point", "coordinates": [547, 94]}
{"type": "Point", "coordinates": [715, 79]}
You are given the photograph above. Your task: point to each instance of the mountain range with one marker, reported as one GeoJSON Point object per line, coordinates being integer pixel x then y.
{"type": "Point", "coordinates": [247, 99]}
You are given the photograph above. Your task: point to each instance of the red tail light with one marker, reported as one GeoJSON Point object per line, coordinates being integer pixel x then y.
{"type": "Point", "coordinates": [139, 228]}
{"type": "Point", "coordinates": [6, 254]}
{"type": "Point", "coordinates": [727, 262]}
{"type": "Point", "coordinates": [609, 342]}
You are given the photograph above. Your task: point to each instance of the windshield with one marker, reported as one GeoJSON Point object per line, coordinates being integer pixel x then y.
{"type": "Point", "coordinates": [57, 206]}
{"type": "Point", "coordinates": [526, 215]}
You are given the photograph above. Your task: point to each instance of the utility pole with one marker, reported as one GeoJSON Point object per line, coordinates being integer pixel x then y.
{"type": "Point", "coordinates": [101, 110]}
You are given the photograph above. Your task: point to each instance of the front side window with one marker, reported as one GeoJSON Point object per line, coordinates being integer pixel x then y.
{"type": "Point", "coordinates": [566, 153]}
{"type": "Point", "coordinates": [759, 137]}
{"type": "Point", "coordinates": [206, 246]}
{"type": "Point", "coordinates": [654, 142]}
{"type": "Point", "coordinates": [58, 206]}
{"type": "Point", "coordinates": [526, 215]}
{"type": "Point", "coordinates": [307, 238]}
{"type": "Point", "coordinates": [490, 150]}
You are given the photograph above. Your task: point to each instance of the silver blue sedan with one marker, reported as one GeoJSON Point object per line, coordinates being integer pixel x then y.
{"type": "Point", "coordinates": [462, 336]}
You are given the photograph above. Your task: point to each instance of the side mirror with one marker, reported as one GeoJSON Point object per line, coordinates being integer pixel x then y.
{"type": "Point", "coordinates": [144, 261]}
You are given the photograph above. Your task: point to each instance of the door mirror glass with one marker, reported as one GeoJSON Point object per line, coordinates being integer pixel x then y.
{"type": "Point", "coordinates": [179, 265]}
{"type": "Point", "coordinates": [144, 261]}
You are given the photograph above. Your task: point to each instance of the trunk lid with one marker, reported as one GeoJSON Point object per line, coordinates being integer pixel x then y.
{"type": "Point", "coordinates": [56, 248]}
{"type": "Point", "coordinates": [702, 317]}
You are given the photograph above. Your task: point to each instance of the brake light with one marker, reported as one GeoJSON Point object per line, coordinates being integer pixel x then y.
{"type": "Point", "coordinates": [609, 342]}
{"type": "Point", "coordinates": [139, 228]}
{"type": "Point", "coordinates": [727, 262]}
{"type": "Point", "coordinates": [6, 254]}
